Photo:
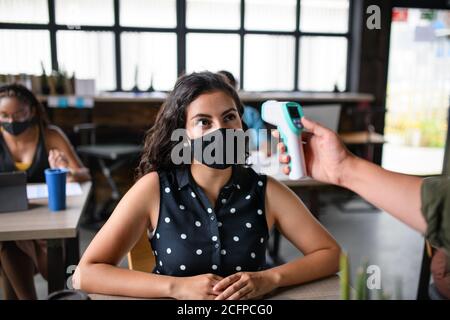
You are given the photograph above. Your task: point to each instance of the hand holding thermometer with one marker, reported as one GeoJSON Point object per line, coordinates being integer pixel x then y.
{"type": "Point", "coordinates": [286, 116]}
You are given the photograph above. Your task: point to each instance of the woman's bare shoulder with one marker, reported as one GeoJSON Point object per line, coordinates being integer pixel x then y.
{"type": "Point", "coordinates": [149, 180]}
{"type": "Point", "coordinates": [146, 188]}
{"type": "Point", "coordinates": [145, 196]}
{"type": "Point", "coordinates": [55, 136]}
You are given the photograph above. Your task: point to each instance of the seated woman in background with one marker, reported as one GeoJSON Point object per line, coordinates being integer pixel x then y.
{"type": "Point", "coordinates": [28, 143]}
{"type": "Point", "coordinates": [209, 223]}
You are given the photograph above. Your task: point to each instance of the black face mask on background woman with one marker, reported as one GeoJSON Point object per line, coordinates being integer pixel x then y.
{"type": "Point", "coordinates": [17, 127]}
{"type": "Point", "coordinates": [218, 151]}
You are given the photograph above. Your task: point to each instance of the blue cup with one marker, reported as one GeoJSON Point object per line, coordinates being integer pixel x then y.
{"type": "Point", "coordinates": [56, 185]}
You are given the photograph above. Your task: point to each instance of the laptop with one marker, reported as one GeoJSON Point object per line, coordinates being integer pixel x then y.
{"type": "Point", "coordinates": [13, 191]}
{"type": "Point", "coordinates": [327, 115]}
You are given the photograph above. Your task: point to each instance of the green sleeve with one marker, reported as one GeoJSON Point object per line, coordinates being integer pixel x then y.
{"type": "Point", "coordinates": [436, 210]}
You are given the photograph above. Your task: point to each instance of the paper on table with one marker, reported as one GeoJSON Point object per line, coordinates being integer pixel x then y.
{"type": "Point", "coordinates": [39, 190]}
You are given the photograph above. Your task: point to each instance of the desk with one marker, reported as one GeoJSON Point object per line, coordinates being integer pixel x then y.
{"type": "Point", "coordinates": [365, 138]}
{"type": "Point", "coordinates": [323, 289]}
{"type": "Point", "coordinates": [362, 137]}
{"type": "Point", "coordinates": [60, 229]}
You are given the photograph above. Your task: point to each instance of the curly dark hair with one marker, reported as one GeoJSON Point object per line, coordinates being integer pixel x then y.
{"type": "Point", "coordinates": [172, 116]}
{"type": "Point", "coordinates": [27, 98]}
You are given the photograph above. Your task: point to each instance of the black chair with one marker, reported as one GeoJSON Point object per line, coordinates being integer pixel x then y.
{"type": "Point", "coordinates": [109, 157]}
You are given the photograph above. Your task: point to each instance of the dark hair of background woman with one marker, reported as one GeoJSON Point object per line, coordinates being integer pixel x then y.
{"type": "Point", "coordinates": [230, 78]}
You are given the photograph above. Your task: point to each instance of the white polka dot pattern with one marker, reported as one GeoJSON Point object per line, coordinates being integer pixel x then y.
{"type": "Point", "coordinates": [197, 236]}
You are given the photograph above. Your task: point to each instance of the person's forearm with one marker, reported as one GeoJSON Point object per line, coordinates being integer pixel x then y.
{"type": "Point", "coordinates": [112, 280]}
{"type": "Point", "coordinates": [397, 194]}
{"type": "Point", "coordinates": [316, 265]}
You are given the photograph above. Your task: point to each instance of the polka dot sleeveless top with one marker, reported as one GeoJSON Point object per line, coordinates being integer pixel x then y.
{"type": "Point", "coordinates": [194, 237]}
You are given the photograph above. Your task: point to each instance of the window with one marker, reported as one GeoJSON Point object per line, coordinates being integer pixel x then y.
{"type": "Point", "coordinates": [148, 13]}
{"type": "Point", "coordinates": [89, 55]}
{"type": "Point", "coordinates": [84, 12]}
{"type": "Point", "coordinates": [23, 11]}
{"type": "Point", "coordinates": [323, 59]}
{"type": "Point", "coordinates": [153, 56]}
{"type": "Point", "coordinates": [266, 44]}
{"type": "Point", "coordinates": [277, 15]}
{"type": "Point", "coordinates": [323, 63]}
{"type": "Point", "coordinates": [213, 14]}
{"type": "Point", "coordinates": [276, 75]}
{"type": "Point", "coordinates": [221, 53]}
{"type": "Point", "coordinates": [24, 56]}
{"type": "Point", "coordinates": [417, 97]}
{"type": "Point", "coordinates": [324, 16]}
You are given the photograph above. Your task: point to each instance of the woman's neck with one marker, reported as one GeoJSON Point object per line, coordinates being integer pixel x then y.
{"type": "Point", "coordinates": [210, 180]}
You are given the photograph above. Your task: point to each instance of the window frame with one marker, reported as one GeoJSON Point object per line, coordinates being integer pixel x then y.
{"type": "Point", "coordinates": [181, 30]}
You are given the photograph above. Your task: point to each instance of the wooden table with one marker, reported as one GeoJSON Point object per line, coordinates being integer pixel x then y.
{"type": "Point", "coordinates": [362, 137]}
{"type": "Point", "coordinates": [324, 289]}
{"type": "Point", "coordinates": [60, 229]}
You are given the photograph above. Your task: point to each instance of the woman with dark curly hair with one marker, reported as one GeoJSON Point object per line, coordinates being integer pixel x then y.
{"type": "Point", "coordinates": [208, 221]}
{"type": "Point", "coordinates": [29, 143]}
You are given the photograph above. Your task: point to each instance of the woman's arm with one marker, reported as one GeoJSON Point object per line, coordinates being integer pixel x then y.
{"type": "Point", "coordinates": [295, 222]}
{"type": "Point", "coordinates": [62, 154]}
{"type": "Point", "coordinates": [98, 271]}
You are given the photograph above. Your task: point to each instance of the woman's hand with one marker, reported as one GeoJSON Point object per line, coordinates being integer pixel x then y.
{"type": "Point", "coordinates": [325, 154]}
{"type": "Point", "coordinates": [57, 159]}
{"type": "Point", "coordinates": [196, 288]}
{"type": "Point", "coordinates": [245, 285]}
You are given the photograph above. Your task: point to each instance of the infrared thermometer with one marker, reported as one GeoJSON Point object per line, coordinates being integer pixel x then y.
{"type": "Point", "coordinates": [286, 117]}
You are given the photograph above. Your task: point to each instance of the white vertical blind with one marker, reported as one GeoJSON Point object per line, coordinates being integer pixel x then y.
{"type": "Point", "coordinates": [155, 56]}
{"type": "Point", "coordinates": [84, 12]}
{"type": "Point", "coordinates": [274, 15]}
{"type": "Point", "coordinates": [323, 63]}
{"type": "Point", "coordinates": [89, 54]}
{"type": "Point", "coordinates": [213, 14]}
{"type": "Point", "coordinates": [269, 62]}
{"type": "Point", "coordinates": [324, 15]}
{"type": "Point", "coordinates": [221, 53]}
{"type": "Point", "coordinates": [24, 56]}
{"type": "Point", "coordinates": [148, 13]}
{"type": "Point", "coordinates": [24, 11]}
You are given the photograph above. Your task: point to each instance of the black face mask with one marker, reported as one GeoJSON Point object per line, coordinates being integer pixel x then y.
{"type": "Point", "coordinates": [15, 128]}
{"type": "Point", "coordinates": [218, 151]}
